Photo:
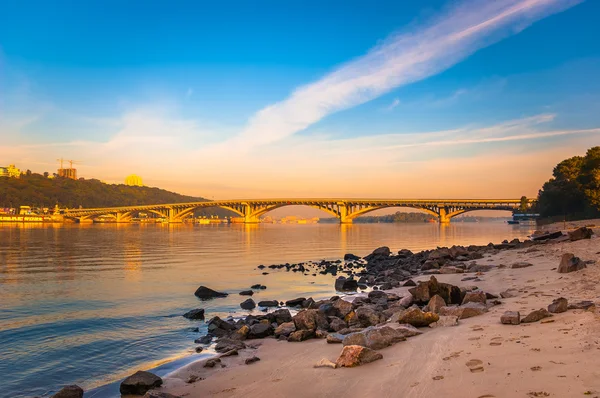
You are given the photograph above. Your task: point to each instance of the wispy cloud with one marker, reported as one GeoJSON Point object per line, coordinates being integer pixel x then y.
{"type": "Point", "coordinates": [401, 59]}
{"type": "Point", "coordinates": [394, 104]}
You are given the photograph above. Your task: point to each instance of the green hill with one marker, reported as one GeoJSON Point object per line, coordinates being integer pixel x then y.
{"type": "Point", "coordinates": [38, 191]}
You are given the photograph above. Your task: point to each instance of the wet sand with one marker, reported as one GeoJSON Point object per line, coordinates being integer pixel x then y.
{"type": "Point", "coordinates": [557, 357]}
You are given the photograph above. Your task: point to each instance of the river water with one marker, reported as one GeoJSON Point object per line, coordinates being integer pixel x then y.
{"type": "Point", "coordinates": [89, 304]}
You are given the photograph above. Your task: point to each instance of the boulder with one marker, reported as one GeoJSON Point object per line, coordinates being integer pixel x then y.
{"type": "Point", "coordinates": [203, 340]}
{"type": "Point", "coordinates": [536, 315]}
{"type": "Point", "coordinates": [344, 307]}
{"type": "Point", "coordinates": [198, 313]}
{"type": "Point", "coordinates": [582, 305]}
{"type": "Point", "coordinates": [350, 257]}
{"type": "Point", "coordinates": [211, 363]}
{"type": "Point", "coordinates": [538, 235]}
{"type": "Point", "coordinates": [368, 316]}
{"type": "Point", "coordinates": [336, 324]}
{"type": "Point", "coordinates": [335, 338]}
{"type": "Point", "coordinates": [246, 293]}
{"type": "Point", "coordinates": [295, 302]}
{"type": "Point", "coordinates": [355, 355]}
{"type": "Point", "coordinates": [260, 331]}
{"type": "Point", "coordinates": [475, 297]}
{"type": "Point", "coordinates": [581, 233]}
{"type": "Point", "coordinates": [345, 284]}
{"type": "Point", "coordinates": [205, 293]}
{"type": "Point", "coordinates": [375, 338]}
{"type": "Point", "coordinates": [241, 333]}
{"type": "Point", "coordinates": [472, 309]}
{"type": "Point", "coordinates": [407, 300]}
{"type": "Point", "coordinates": [325, 363]}
{"type": "Point", "coordinates": [445, 321]}
{"type": "Point", "coordinates": [511, 318]}
{"type": "Point", "coordinates": [415, 317]}
{"type": "Point", "coordinates": [280, 316]}
{"type": "Point", "coordinates": [310, 320]}
{"type": "Point", "coordinates": [377, 294]}
{"type": "Point", "coordinates": [521, 264]}
{"type": "Point", "coordinates": [301, 335]}
{"type": "Point", "coordinates": [570, 263]}
{"type": "Point", "coordinates": [225, 344]}
{"type": "Point", "coordinates": [382, 251]}
{"type": "Point", "coordinates": [409, 282]}
{"type": "Point", "coordinates": [559, 305]}
{"type": "Point", "coordinates": [423, 292]}
{"type": "Point", "coordinates": [248, 304]}
{"type": "Point", "coordinates": [251, 360]}
{"type": "Point", "coordinates": [285, 329]}
{"type": "Point", "coordinates": [268, 303]}
{"type": "Point", "coordinates": [509, 293]}
{"type": "Point", "coordinates": [435, 303]}
{"type": "Point", "coordinates": [139, 383]}
{"type": "Point", "coordinates": [72, 391]}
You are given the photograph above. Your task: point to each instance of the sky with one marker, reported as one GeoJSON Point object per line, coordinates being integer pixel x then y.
{"type": "Point", "coordinates": [272, 99]}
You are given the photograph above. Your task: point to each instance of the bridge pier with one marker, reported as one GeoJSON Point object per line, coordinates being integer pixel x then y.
{"type": "Point", "coordinates": [444, 216]}
{"type": "Point", "coordinates": [345, 217]}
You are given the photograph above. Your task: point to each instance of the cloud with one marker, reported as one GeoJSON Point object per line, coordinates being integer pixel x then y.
{"type": "Point", "coordinates": [394, 104]}
{"type": "Point", "coordinates": [401, 59]}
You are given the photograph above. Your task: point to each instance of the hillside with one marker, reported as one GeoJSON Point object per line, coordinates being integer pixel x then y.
{"type": "Point", "coordinates": [38, 191]}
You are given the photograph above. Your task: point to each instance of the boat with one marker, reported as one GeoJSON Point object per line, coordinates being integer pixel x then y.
{"type": "Point", "coordinates": [513, 222]}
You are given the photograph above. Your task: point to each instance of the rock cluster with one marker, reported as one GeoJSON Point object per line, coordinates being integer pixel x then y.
{"type": "Point", "coordinates": [139, 383]}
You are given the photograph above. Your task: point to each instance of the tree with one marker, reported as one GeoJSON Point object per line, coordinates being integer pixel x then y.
{"type": "Point", "coordinates": [524, 206]}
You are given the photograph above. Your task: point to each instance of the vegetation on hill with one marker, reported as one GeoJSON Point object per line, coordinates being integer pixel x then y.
{"type": "Point", "coordinates": [574, 189]}
{"type": "Point", "coordinates": [39, 191]}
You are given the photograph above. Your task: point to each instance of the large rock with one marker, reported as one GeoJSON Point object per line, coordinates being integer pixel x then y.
{"type": "Point", "coordinates": [139, 383]}
{"type": "Point", "coordinates": [355, 355]}
{"type": "Point", "coordinates": [435, 303]}
{"type": "Point", "coordinates": [350, 257]}
{"type": "Point", "coordinates": [335, 338]}
{"type": "Point", "coordinates": [445, 321]}
{"type": "Point", "coordinates": [295, 302]}
{"type": "Point", "coordinates": [248, 304]}
{"type": "Point", "coordinates": [72, 391]}
{"type": "Point", "coordinates": [382, 251]}
{"type": "Point", "coordinates": [219, 327]}
{"type": "Point", "coordinates": [536, 315]}
{"type": "Point", "coordinates": [406, 330]}
{"type": "Point", "coordinates": [468, 310]}
{"type": "Point", "coordinates": [570, 263]}
{"type": "Point", "coordinates": [301, 335]}
{"type": "Point", "coordinates": [375, 338]}
{"type": "Point", "coordinates": [521, 264]}
{"type": "Point", "coordinates": [581, 233]}
{"type": "Point", "coordinates": [268, 303]}
{"type": "Point", "coordinates": [559, 305]}
{"type": "Point", "coordinates": [336, 324]}
{"type": "Point", "coordinates": [368, 316]}
{"type": "Point", "coordinates": [310, 320]}
{"type": "Point", "coordinates": [344, 307]}
{"type": "Point", "coordinates": [260, 331]}
{"type": "Point", "coordinates": [285, 329]}
{"type": "Point", "coordinates": [415, 317]}
{"type": "Point", "coordinates": [198, 313]}
{"type": "Point", "coordinates": [205, 293]}
{"type": "Point", "coordinates": [280, 316]}
{"type": "Point", "coordinates": [406, 301]}
{"type": "Point", "coordinates": [423, 292]}
{"type": "Point", "coordinates": [511, 318]}
{"type": "Point", "coordinates": [475, 297]}
{"type": "Point", "coordinates": [225, 344]}
{"type": "Point", "coordinates": [343, 284]}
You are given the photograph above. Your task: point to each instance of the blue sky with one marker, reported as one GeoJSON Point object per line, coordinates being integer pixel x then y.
{"type": "Point", "coordinates": [239, 99]}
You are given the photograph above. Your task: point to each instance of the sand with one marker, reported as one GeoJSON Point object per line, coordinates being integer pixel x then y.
{"type": "Point", "coordinates": [559, 358]}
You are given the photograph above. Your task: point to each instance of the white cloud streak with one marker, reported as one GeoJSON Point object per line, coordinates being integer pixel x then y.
{"type": "Point", "coordinates": [399, 60]}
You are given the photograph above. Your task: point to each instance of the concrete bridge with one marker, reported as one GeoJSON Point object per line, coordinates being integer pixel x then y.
{"type": "Point", "coordinates": [344, 209]}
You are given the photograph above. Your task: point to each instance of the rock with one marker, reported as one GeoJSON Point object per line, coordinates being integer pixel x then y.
{"type": "Point", "coordinates": [260, 331]}
{"type": "Point", "coordinates": [345, 284]}
{"type": "Point", "coordinates": [537, 235]}
{"type": "Point", "coordinates": [219, 327]}
{"type": "Point", "coordinates": [445, 321]}
{"type": "Point", "coordinates": [475, 297]}
{"type": "Point", "coordinates": [285, 329]}
{"type": "Point", "coordinates": [409, 282]}
{"type": "Point", "coordinates": [509, 293]}
{"type": "Point", "coordinates": [301, 335]}
{"type": "Point", "coordinates": [72, 391]}
{"type": "Point", "coordinates": [225, 344]}
{"type": "Point", "coordinates": [470, 310]}
{"type": "Point", "coordinates": [336, 324]}
{"type": "Point", "coordinates": [241, 333]}
{"type": "Point", "coordinates": [205, 293]}
{"type": "Point", "coordinates": [582, 305]}
{"type": "Point", "coordinates": [511, 318]}
{"type": "Point", "coordinates": [295, 302]}
{"type": "Point", "coordinates": [325, 363]}
{"type": "Point", "coordinates": [310, 320]}
{"type": "Point", "coordinates": [198, 313]}
{"type": "Point", "coordinates": [570, 263]}
{"type": "Point", "coordinates": [350, 257]}
{"type": "Point", "coordinates": [407, 300]}
{"type": "Point", "coordinates": [258, 286]}
{"type": "Point", "coordinates": [252, 360]}
{"type": "Point", "coordinates": [480, 268]}
{"type": "Point", "coordinates": [355, 355]}
{"type": "Point", "coordinates": [435, 303]}
{"type": "Point", "coordinates": [344, 307]}
{"type": "Point", "coordinates": [203, 340]}
{"type": "Point", "coordinates": [415, 317]}
{"type": "Point", "coordinates": [139, 383]}
{"type": "Point", "coordinates": [246, 293]}
{"type": "Point", "coordinates": [377, 294]}
{"type": "Point", "coordinates": [375, 338]}
{"type": "Point", "coordinates": [281, 316]}
{"type": "Point", "coordinates": [159, 394]}
{"type": "Point", "coordinates": [368, 316]}
{"type": "Point", "coordinates": [248, 304]}
{"type": "Point", "coordinates": [211, 363]}
{"type": "Point", "coordinates": [406, 330]}
{"type": "Point", "coordinates": [335, 338]}
{"type": "Point", "coordinates": [382, 251]}
{"type": "Point", "coordinates": [581, 233]}
{"type": "Point", "coordinates": [199, 349]}
{"type": "Point", "coordinates": [521, 264]}
{"type": "Point", "coordinates": [559, 305]}
{"type": "Point", "coordinates": [268, 303]}
{"type": "Point", "coordinates": [229, 353]}
{"type": "Point", "coordinates": [423, 292]}
{"type": "Point", "coordinates": [536, 315]}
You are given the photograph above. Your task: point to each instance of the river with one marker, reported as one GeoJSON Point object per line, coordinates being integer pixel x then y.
{"type": "Point", "coordinates": [90, 304]}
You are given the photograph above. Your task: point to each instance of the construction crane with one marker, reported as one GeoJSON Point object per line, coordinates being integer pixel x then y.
{"type": "Point", "coordinates": [61, 162]}
{"type": "Point", "coordinates": [71, 162]}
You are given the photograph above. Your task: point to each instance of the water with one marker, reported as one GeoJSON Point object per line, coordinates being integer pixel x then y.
{"type": "Point", "coordinates": [89, 304]}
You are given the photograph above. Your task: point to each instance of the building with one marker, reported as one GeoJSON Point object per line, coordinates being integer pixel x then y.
{"type": "Point", "coordinates": [134, 181]}
{"type": "Point", "coordinates": [68, 173]}
{"type": "Point", "coordinates": [10, 171]}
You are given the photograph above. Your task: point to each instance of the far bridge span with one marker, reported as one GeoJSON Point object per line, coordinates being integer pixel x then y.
{"type": "Point", "coordinates": [344, 209]}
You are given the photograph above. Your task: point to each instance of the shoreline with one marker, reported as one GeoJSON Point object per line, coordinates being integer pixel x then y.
{"type": "Point", "coordinates": [278, 357]}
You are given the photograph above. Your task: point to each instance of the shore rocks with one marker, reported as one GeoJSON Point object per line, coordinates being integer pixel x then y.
{"type": "Point", "coordinates": [511, 318]}
{"type": "Point", "coordinates": [251, 360]}
{"type": "Point", "coordinates": [536, 315]}
{"type": "Point", "coordinates": [423, 292]}
{"type": "Point", "coordinates": [198, 313]}
{"type": "Point", "coordinates": [582, 305]}
{"type": "Point", "coordinates": [260, 331]}
{"type": "Point", "coordinates": [325, 363]}
{"type": "Point", "coordinates": [248, 304]}
{"type": "Point", "coordinates": [368, 316]}
{"type": "Point", "coordinates": [295, 302]}
{"type": "Point", "coordinates": [475, 297]}
{"type": "Point", "coordinates": [246, 293]}
{"type": "Point", "coordinates": [445, 321]}
{"type": "Point", "coordinates": [375, 338]}
{"type": "Point", "coordinates": [435, 303]}
{"type": "Point", "coordinates": [570, 263]}
{"type": "Point", "coordinates": [301, 335]}
{"type": "Point", "coordinates": [268, 303]}
{"type": "Point", "coordinates": [226, 344]}
{"type": "Point", "coordinates": [310, 320]}
{"type": "Point", "coordinates": [355, 355]}
{"type": "Point", "coordinates": [521, 264]}
{"type": "Point", "coordinates": [559, 305]}
{"type": "Point", "coordinates": [211, 363]}
{"type": "Point", "coordinates": [205, 293]}
{"type": "Point", "coordinates": [345, 284]}
{"type": "Point", "coordinates": [415, 317]}
{"type": "Point", "coordinates": [285, 329]}
{"type": "Point", "coordinates": [538, 235]}
{"type": "Point", "coordinates": [350, 257]}
{"type": "Point", "coordinates": [580, 233]}
{"type": "Point", "coordinates": [72, 391]}
{"type": "Point", "coordinates": [335, 338]}
{"type": "Point", "coordinates": [139, 383]}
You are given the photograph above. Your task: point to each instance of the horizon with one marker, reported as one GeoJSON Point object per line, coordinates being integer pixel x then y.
{"type": "Point", "coordinates": [440, 99]}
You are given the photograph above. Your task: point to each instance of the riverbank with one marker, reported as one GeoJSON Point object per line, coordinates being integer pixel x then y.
{"type": "Point", "coordinates": [553, 358]}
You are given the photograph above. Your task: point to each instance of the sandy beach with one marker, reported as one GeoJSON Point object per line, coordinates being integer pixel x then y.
{"type": "Point", "coordinates": [556, 357]}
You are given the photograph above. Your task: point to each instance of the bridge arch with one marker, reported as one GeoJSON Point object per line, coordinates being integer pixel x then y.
{"type": "Point", "coordinates": [370, 209]}
{"type": "Point", "coordinates": [255, 213]}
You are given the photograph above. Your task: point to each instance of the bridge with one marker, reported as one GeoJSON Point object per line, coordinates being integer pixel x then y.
{"type": "Point", "coordinates": [344, 209]}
